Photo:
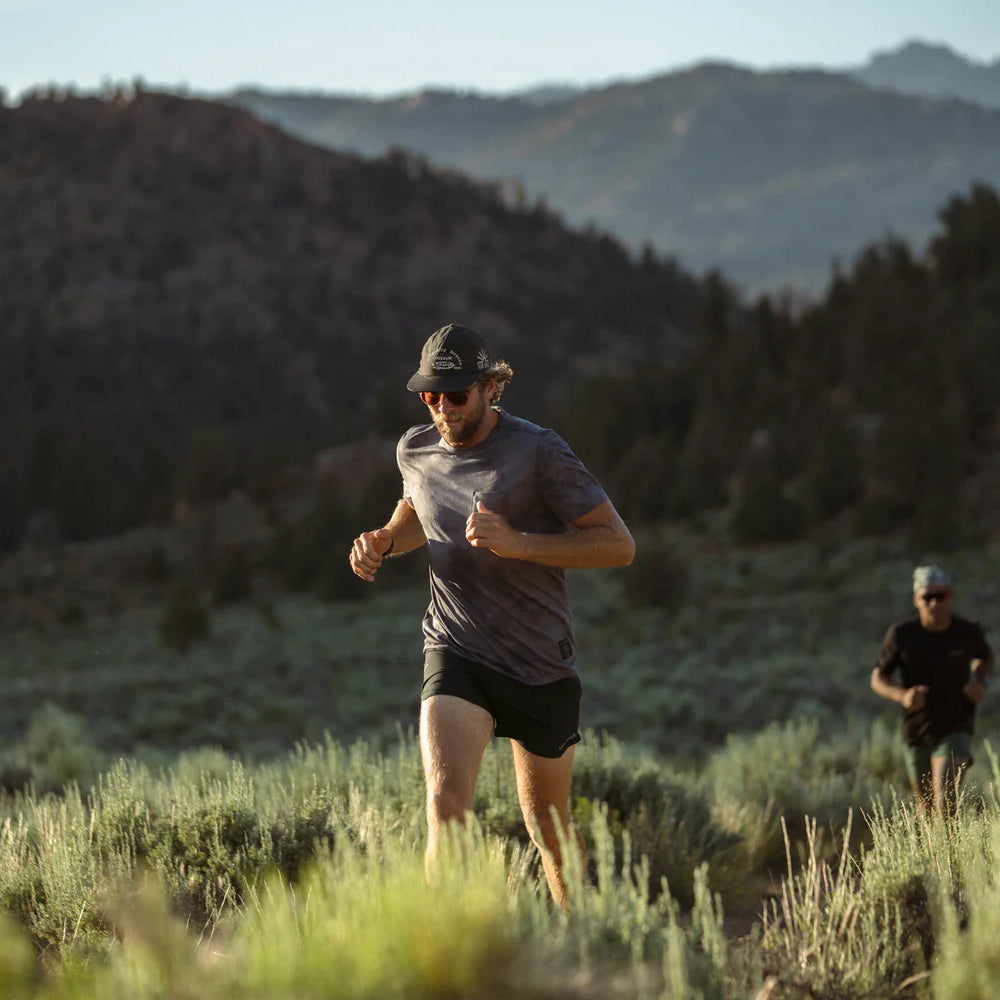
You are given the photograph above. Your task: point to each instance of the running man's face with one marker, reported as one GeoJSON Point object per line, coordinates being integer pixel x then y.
{"type": "Point", "coordinates": [459, 424]}
{"type": "Point", "coordinates": [934, 607]}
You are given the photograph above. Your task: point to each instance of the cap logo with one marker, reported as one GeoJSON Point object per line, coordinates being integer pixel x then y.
{"type": "Point", "coordinates": [482, 359]}
{"type": "Point", "coordinates": [446, 361]}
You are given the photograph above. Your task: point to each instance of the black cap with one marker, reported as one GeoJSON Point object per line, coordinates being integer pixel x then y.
{"type": "Point", "coordinates": [453, 358]}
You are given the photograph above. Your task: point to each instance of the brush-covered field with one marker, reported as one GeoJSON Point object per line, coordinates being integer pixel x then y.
{"type": "Point", "coordinates": [693, 643]}
{"type": "Point", "coordinates": [246, 818]}
{"type": "Point", "coordinates": [303, 878]}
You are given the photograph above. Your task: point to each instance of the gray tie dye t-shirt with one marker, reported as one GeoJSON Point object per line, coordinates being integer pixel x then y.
{"type": "Point", "coordinates": [507, 614]}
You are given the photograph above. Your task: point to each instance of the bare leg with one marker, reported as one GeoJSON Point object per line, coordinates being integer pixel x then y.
{"type": "Point", "coordinates": [543, 785]}
{"type": "Point", "coordinates": [923, 794]}
{"type": "Point", "coordinates": [947, 775]}
{"type": "Point", "coordinates": [453, 736]}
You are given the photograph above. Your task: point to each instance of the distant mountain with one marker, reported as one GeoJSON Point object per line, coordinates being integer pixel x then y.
{"type": "Point", "coordinates": [548, 93]}
{"type": "Point", "coordinates": [926, 70]}
{"type": "Point", "coordinates": [768, 176]}
{"type": "Point", "coordinates": [176, 276]}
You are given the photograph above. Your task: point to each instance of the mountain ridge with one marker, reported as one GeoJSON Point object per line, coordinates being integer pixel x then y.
{"type": "Point", "coordinates": [924, 69]}
{"type": "Point", "coordinates": [771, 177]}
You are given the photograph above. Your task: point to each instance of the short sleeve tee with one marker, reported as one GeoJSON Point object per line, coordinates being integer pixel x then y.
{"type": "Point", "coordinates": [942, 661]}
{"type": "Point", "coordinates": [510, 615]}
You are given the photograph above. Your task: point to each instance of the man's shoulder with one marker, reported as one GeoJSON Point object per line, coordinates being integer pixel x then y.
{"type": "Point", "coordinates": [966, 626]}
{"type": "Point", "coordinates": [419, 436]}
{"type": "Point", "coordinates": [547, 443]}
{"type": "Point", "coordinates": [962, 622]}
{"type": "Point", "coordinates": [906, 628]}
{"type": "Point", "coordinates": [518, 425]}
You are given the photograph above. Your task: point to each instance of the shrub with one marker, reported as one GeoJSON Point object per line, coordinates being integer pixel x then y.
{"type": "Point", "coordinates": [658, 577]}
{"type": "Point", "coordinates": [765, 514]}
{"type": "Point", "coordinates": [939, 522]}
{"type": "Point", "coordinates": [879, 513]}
{"type": "Point", "coordinates": [643, 478]}
{"type": "Point", "coordinates": [786, 770]}
{"type": "Point", "coordinates": [156, 566]}
{"type": "Point", "coordinates": [826, 938]}
{"type": "Point", "coordinates": [832, 474]}
{"type": "Point", "coordinates": [704, 463]}
{"type": "Point", "coordinates": [232, 580]}
{"type": "Point", "coordinates": [59, 749]}
{"type": "Point", "coordinates": [311, 553]}
{"type": "Point", "coordinates": [185, 618]}
{"type": "Point", "coordinates": [666, 817]}
{"type": "Point", "coordinates": [209, 845]}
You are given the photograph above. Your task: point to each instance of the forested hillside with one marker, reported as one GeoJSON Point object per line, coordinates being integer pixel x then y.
{"type": "Point", "coordinates": [878, 399]}
{"type": "Point", "coordinates": [194, 302]}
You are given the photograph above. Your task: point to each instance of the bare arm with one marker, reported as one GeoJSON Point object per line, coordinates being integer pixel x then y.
{"type": "Point", "coordinates": [913, 697]}
{"type": "Point", "coordinates": [598, 539]}
{"type": "Point", "coordinates": [982, 671]}
{"type": "Point", "coordinates": [403, 533]}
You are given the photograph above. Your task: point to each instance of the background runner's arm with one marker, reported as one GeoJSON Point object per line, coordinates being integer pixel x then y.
{"type": "Point", "coordinates": [982, 669]}
{"type": "Point", "coordinates": [886, 688]}
{"type": "Point", "coordinates": [912, 697]}
{"type": "Point", "coordinates": [596, 540]}
{"type": "Point", "coordinates": [979, 678]}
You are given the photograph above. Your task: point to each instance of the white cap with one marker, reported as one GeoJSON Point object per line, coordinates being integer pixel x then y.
{"type": "Point", "coordinates": [925, 577]}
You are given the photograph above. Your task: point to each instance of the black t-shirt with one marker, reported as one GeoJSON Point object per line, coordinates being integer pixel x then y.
{"type": "Point", "coordinates": [941, 660]}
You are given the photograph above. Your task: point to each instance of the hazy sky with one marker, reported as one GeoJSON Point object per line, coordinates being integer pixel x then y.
{"type": "Point", "coordinates": [387, 46]}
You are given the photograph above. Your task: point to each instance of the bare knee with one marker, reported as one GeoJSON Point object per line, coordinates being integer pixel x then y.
{"type": "Point", "coordinates": [445, 804]}
{"type": "Point", "coordinates": [947, 777]}
{"type": "Point", "coordinates": [923, 793]}
{"type": "Point", "coordinates": [541, 829]}
{"type": "Point", "coordinates": [546, 827]}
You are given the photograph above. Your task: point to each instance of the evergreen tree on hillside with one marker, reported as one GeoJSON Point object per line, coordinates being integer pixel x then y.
{"type": "Point", "coordinates": [969, 248]}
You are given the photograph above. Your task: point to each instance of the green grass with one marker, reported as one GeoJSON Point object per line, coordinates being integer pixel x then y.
{"type": "Point", "coordinates": [303, 878]}
{"type": "Point", "coordinates": [269, 800]}
{"type": "Point", "coordinates": [762, 635]}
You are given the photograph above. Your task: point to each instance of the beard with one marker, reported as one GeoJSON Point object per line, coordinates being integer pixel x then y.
{"type": "Point", "coordinates": [465, 429]}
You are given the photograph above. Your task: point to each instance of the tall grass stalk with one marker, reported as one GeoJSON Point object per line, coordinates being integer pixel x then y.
{"type": "Point", "coordinates": [968, 961]}
{"type": "Point", "coordinates": [827, 934]}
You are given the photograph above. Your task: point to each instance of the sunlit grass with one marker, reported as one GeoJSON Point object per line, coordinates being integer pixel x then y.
{"type": "Point", "coordinates": [294, 869]}
{"type": "Point", "coordinates": [304, 878]}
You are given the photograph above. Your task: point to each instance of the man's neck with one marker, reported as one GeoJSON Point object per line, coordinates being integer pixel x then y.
{"type": "Point", "coordinates": [937, 627]}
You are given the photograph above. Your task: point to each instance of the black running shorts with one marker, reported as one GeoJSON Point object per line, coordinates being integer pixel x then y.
{"type": "Point", "coordinates": [543, 718]}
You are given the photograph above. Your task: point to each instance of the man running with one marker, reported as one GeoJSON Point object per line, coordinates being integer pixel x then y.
{"type": "Point", "coordinates": [504, 507]}
{"type": "Point", "coordinates": [945, 666]}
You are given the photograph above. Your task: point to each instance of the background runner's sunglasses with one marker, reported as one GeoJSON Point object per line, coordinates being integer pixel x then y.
{"type": "Point", "coordinates": [938, 596]}
{"type": "Point", "coordinates": [459, 398]}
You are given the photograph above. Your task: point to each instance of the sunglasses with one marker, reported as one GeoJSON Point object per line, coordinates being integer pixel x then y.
{"type": "Point", "coordinates": [459, 398]}
{"type": "Point", "coordinates": [941, 595]}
